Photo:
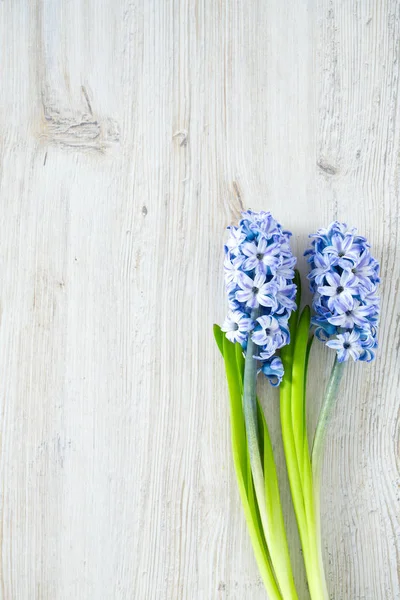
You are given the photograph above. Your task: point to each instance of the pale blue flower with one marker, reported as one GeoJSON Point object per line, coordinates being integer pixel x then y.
{"type": "Point", "coordinates": [285, 268]}
{"type": "Point", "coordinates": [368, 337]}
{"type": "Point", "coordinates": [254, 292]}
{"type": "Point", "coordinates": [369, 343]}
{"type": "Point", "coordinates": [232, 268]}
{"type": "Point", "coordinates": [259, 272]}
{"type": "Point", "coordinates": [267, 225]}
{"type": "Point", "coordinates": [286, 251]}
{"type": "Point", "coordinates": [364, 268]}
{"type": "Point", "coordinates": [273, 370]}
{"type": "Point", "coordinates": [233, 303]}
{"type": "Point", "coordinates": [261, 256]}
{"type": "Point", "coordinates": [237, 236]}
{"type": "Point", "coordinates": [323, 265]}
{"type": "Point", "coordinates": [237, 326]}
{"type": "Point", "coordinates": [368, 293]}
{"type": "Point", "coordinates": [251, 217]}
{"type": "Point", "coordinates": [359, 315]}
{"type": "Point", "coordinates": [285, 295]}
{"type": "Point", "coordinates": [324, 329]}
{"type": "Point", "coordinates": [340, 290]}
{"type": "Point", "coordinates": [344, 278]}
{"type": "Point", "coordinates": [272, 333]}
{"type": "Point", "coordinates": [347, 345]}
{"type": "Point", "coordinates": [342, 249]}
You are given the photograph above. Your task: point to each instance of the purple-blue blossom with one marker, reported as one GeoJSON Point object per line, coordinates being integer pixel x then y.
{"type": "Point", "coordinates": [273, 369]}
{"type": "Point", "coordinates": [254, 292]}
{"type": "Point", "coordinates": [259, 272]}
{"type": "Point", "coordinates": [271, 333]}
{"type": "Point", "coordinates": [237, 326]}
{"type": "Point", "coordinates": [347, 344]}
{"type": "Point", "coordinates": [340, 289]}
{"type": "Point", "coordinates": [344, 279]}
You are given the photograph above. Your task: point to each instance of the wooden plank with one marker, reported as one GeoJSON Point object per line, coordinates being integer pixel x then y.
{"type": "Point", "coordinates": [132, 133]}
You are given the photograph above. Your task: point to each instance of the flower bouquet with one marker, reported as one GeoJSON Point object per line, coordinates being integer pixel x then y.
{"type": "Point", "coordinates": [265, 332]}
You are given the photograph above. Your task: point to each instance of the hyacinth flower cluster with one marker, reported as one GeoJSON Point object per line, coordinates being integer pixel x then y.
{"type": "Point", "coordinates": [259, 272]}
{"type": "Point", "coordinates": [343, 279]}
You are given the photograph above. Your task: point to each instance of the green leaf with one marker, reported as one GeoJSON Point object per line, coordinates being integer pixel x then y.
{"type": "Point", "coordinates": [309, 344]}
{"type": "Point", "coordinates": [307, 469]}
{"type": "Point", "coordinates": [288, 434]}
{"type": "Point", "coordinates": [278, 536]}
{"type": "Point", "coordinates": [298, 386]}
{"type": "Point", "coordinates": [299, 381]}
{"type": "Point", "coordinates": [238, 432]}
{"type": "Point", "coordinates": [259, 547]}
{"type": "Point", "coordinates": [234, 367]}
{"type": "Point", "coordinates": [240, 361]}
{"type": "Point", "coordinates": [219, 337]}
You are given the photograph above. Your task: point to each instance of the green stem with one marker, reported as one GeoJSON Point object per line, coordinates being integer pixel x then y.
{"type": "Point", "coordinates": [326, 413]}
{"type": "Point", "coordinates": [319, 445]}
{"type": "Point", "coordinates": [275, 537]}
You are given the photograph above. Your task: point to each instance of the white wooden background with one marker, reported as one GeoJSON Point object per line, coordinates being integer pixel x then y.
{"type": "Point", "coordinates": [131, 133]}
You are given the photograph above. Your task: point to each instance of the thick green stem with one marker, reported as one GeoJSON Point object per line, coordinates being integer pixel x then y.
{"type": "Point", "coordinates": [277, 544]}
{"type": "Point", "coordinates": [319, 444]}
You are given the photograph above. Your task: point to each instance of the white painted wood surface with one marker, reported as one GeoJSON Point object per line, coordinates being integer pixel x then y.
{"type": "Point", "coordinates": [131, 133]}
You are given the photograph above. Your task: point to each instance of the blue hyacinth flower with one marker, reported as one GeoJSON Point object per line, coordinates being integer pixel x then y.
{"type": "Point", "coordinates": [259, 272]}
{"type": "Point", "coordinates": [344, 279]}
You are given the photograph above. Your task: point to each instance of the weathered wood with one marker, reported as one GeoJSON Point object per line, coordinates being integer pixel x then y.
{"type": "Point", "coordinates": [132, 133]}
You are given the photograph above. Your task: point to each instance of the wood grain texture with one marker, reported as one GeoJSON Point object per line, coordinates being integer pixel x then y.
{"type": "Point", "coordinates": [132, 133]}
